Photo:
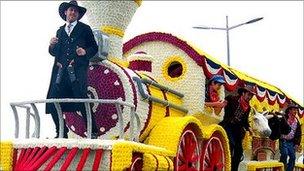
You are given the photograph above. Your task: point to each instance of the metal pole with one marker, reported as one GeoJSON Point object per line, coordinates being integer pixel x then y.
{"type": "Point", "coordinates": [27, 122]}
{"type": "Point", "coordinates": [37, 120]}
{"type": "Point", "coordinates": [120, 121]}
{"type": "Point", "coordinates": [227, 28]}
{"type": "Point", "coordinates": [132, 124]}
{"type": "Point", "coordinates": [16, 120]}
{"type": "Point", "coordinates": [61, 121]}
{"type": "Point", "coordinates": [228, 49]}
{"type": "Point", "coordinates": [89, 120]}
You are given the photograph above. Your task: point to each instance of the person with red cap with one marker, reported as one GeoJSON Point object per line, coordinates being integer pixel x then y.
{"type": "Point", "coordinates": [288, 144]}
{"type": "Point", "coordinates": [236, 123]}
{"type": "Point", "coordinates": [212, 98]}
{"type": "Point", "coordinates": [72, 48]}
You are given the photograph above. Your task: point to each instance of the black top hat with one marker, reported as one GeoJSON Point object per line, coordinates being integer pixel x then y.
{"type": "Point", "coordinates": [247, 88]}
{"type": "Point", "coordinates": [64, 6]}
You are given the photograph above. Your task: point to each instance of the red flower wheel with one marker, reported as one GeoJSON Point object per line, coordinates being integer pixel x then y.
{"type": "Point", "coordinates": [213, 155]}
{"type": "Point", "coordinates": [187, 158]}
{"type": "Point", "coordinates": [137, 163]}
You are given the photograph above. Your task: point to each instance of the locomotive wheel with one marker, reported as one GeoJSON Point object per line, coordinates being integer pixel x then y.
{"type": "Point", "coordinates": [137, 163]}
{"type": "Point", "coordinates": [187, 157]}
{"type": "Point", "coordinates": [213, 155]}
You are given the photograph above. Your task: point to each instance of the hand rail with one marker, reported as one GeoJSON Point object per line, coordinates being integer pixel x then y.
{"type": "Point", "coordinates": [37, 120]}
{"type": "Point", "coordinates": [154, 99]}
{"type": "Point", "coordinates": [56, 102]}
{"type": "Point", "coordinates": [135, 136]}
{"type": "Point", "coordinates": [167, 89]}
{"type": "Point", "coordinates": [27, 122]}
{"type": "Point", "coordinates": [67, 100]}
{"type": "Point", "coordinates": [16, 120]}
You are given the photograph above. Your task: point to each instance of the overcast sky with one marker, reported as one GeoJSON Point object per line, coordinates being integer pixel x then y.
{"type": "Point", "coordinates": [270, 49]}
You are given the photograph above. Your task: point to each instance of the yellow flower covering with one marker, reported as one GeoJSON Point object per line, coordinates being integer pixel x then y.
{"type": "Point", "coordinates": [254, 165]}
{"type": "Point", "coordinates": [158, 111]}
{"type": "Point", "coordinates": [163, 163]}
{"type": "Point", "coordinates": [247, 141]}
{"type": "Point", "coordinates": [6, 155]}
{"type": "Point", "coordinates": [168, 62]}
{"type": "Point", "coordinates": [260, 106]}
{"type": "Point", "coordinates": [299, 166]}
{"type": "Point", "coordinates": [118, 61]}
{"type": "Point", "coordinates": [122, 154]}
{"type": "Point", "coordinates": [150, 162]}
{"type": "Point", "coordinates": [157, 162]}
{"type": "Point", "coordinates": [112, 30]}
{"type": "Point", "coordinates": [208, 131]}
{"type": "Point", "coordinates": [138, 2]}
{"type": "Point", "coordinates": [206, 119]}
{"type": "Point", "coordinates": [174, 99]}
{"type": "Point", "coordinates": [177, 101]}
{"type": "Point", "coordinates": [167, 134]}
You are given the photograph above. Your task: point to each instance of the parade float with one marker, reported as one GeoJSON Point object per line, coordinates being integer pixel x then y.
{"type": "Point", "coordinates": [147, 96]}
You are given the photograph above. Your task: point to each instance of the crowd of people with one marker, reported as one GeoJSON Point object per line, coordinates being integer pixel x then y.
{"type": "Point", "coordinates": [235, 122]}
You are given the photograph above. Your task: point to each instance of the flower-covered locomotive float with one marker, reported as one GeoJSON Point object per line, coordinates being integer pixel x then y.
{"type": "Point", "coordinates": [147, 98]}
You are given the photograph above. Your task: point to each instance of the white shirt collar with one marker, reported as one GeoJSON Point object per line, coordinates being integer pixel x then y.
{"type": "Point", "coordinates": [72, 27]}
{"type": "Point", "coordinates": [73, 23]}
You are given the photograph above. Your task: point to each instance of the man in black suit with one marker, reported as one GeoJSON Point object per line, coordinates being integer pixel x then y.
{"type": "Point", "coordinates": [236, 122]}
{"type": "Point", "coordinates": [72, 48]}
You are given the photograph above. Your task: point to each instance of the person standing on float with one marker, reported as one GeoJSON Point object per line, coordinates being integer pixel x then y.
{"type": "Point", "coordinates": [72, 48]}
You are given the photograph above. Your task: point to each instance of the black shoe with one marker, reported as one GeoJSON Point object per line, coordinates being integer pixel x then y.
{"type": "Point", "coordinates": [65, 135]}
{"type": "Point", "coordinates": [94, 135]}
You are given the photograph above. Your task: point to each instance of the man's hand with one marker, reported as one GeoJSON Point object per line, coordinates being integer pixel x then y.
{"type": "Point", "coordinates": [54, 40]}
{"type": "Point", "coordinates": [220, 104]}
{"type": "Point", "coordinates": [59, 65]}
{"type": "Point", "coordinates": [224, 102]}
{"type": "Point", "coordinates": [80, 51]}
{"type": "Point", "coordinates": [298, 148]}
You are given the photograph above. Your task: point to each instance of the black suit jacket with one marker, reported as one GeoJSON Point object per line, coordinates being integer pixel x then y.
{"type": "Point", "coordinates": [230, 109]}
{"type": "Point", "coordinates": [81, 36]}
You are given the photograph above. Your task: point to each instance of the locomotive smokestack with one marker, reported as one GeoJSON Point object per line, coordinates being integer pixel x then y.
{"type": "Point", "coordinates": [112, 17]}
